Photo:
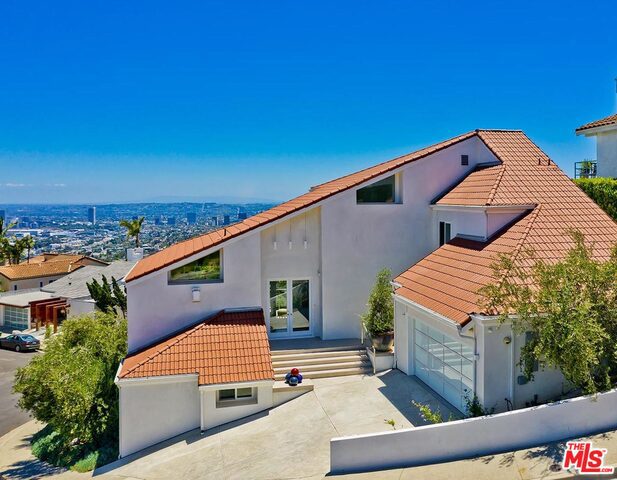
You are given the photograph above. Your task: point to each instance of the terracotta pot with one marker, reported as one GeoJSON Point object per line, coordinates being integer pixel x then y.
{"type": "Point", "coordinates": [383, 343]}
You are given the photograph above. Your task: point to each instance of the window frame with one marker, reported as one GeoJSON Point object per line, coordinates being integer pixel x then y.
{"type": "Point", "coordinates": [237, 400]}
{"type": "Point", "coordinates": [200, 281]}
{"type": "Point", "coordinates": [397, 197]}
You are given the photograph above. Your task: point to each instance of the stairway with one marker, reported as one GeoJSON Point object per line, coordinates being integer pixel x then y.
{"type": "Point", "coordinates": [322, 362]}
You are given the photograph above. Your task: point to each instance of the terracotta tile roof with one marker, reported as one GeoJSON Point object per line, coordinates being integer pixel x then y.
{"type": "Point", "coordinates": [318, 193]}
{"type": "Point", "coordinates": [603, 122]}
{"type": "Point", "coordinates": [447, 280]}
{"type": "Point", "coordinates": [231, 346]}
{"type": "Point", "coordinates": [24, 271]}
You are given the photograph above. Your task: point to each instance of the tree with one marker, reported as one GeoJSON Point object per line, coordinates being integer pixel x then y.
{"type": "Point", "coordinates": [379, 318]}
{"type": "Point", "coordinates": [70, 386]}
{"type": "Point", "coordinates": [13, 251]}
{"type": "Point", "coordinates": [567, 309]}
{"type": "Point", "coordinates": [107, 296]}
{"type": "Point", "coordinates": [133, 228]}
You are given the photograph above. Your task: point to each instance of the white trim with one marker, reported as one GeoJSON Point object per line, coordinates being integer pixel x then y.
{"type": "Point", "coordinates": [426, 311]}
{"type": "Point", "coordinates": [592, 132]}
{"type": "Point", "coordinates": [184, 377]}
{"type": "Point", "coordinates": [485, 208]}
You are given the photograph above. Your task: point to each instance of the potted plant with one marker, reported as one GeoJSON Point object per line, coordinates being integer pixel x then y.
{"type": "Point", "coordinates": [379, 318]}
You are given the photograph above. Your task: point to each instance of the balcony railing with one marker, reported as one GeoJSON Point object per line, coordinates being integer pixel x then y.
{"type": "Point", "coordinates": [586, 169]}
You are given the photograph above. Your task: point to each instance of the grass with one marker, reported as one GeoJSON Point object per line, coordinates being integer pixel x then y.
{"type": "Point", "coordinates": [50, 447]}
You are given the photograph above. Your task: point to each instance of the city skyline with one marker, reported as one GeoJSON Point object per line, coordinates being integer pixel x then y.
{"type": "Point", "coordinates": [252, 102]}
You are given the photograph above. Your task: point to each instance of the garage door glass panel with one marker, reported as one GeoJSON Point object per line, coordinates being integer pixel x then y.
{"type": "Point", "coordinates": [445, 364]}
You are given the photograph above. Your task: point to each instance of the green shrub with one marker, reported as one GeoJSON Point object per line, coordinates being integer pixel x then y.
{"type": "Point", "coordinates": [71, 388]}
{"type": "Point", "coordinates": [379, 319]}
{"type": "Point", "coordinates": [603, 191]}
{"type": "Point", "coordinates": [427, 413]}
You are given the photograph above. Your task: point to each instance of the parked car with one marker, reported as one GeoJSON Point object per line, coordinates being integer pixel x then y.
{"type": "Point", "coordinates": [20, 342]}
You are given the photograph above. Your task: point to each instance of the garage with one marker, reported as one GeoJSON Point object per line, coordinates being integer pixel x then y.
{"type": "Point", "coordinates": [443, 363]}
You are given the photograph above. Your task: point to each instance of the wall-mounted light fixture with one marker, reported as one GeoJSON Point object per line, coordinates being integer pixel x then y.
{"type": "Point", "coordinates": [507, 340]}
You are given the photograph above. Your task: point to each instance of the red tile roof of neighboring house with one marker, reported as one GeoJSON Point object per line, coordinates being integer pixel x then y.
{"type": "Point", "coordinates": [603, 122]}
{"type": "Point", "coordinates": [25, 271]}
{"type": "Point", "coordinates": [229, 347]}
{"type": "Point", "coordinates": [185, 249]}
{"type": "Point", "coordinates": [447, 280]}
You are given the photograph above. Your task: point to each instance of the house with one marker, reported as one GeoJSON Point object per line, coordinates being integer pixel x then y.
{"type": "Point", "coordinates": [74, 287]}
{"type": "Point", "coordinates": [42, 270]}
{"type": "Point", "coordinates": [436, 217]}
{"type": "Point", "coordinates": [16, 308]}
{"type": "Point", "coordinates": [605, 132]}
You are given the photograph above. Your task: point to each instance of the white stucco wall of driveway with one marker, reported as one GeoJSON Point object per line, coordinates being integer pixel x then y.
{"type": "Point", "coordinates": [476, 436]}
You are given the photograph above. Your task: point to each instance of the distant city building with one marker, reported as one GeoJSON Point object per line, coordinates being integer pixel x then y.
{"type": "Point", "coordinates": [215, 221]}
{"type": "Point", "coordinates": [135, 217]}
{"type": "Point", "coordinates": [242, 216]}
{"type": "Point", "coordinates": [226, 220]}
{"type": "Point", "coordinates": [191, 218]}
{"type": "Point", "coordinates": [3, 215]}
{"type": "Point", "coordinates": [171, 220]}
{"type": "Point", "coordinates": [157, 220]}
{"type": "Point", "coordinates": [92, 215]}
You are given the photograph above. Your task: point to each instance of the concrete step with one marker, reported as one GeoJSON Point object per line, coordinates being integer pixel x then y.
{"type": "Point", "coordinates": [336, 372]}
{"type": "Point", "coordinates": [323, 366]}
{"type": "Point", "coordinates": [337, 348]}
{"type": "Point", "coordinates": [312, 360]}
{"type": "Point", "coordinates": [302, 354]}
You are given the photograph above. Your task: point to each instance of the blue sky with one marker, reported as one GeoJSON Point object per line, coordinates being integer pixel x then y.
{"type": "Point", "coordinates": [127, 101]}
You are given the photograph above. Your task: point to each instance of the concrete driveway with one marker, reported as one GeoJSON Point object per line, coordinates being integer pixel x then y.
{"type": "Point", "coordinates": [290, 441]}
{"type": "Point", "coordinates": [10, 415]}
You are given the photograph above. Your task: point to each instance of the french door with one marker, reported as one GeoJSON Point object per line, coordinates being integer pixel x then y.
{"type": "Point", "coordinates": [289, 309]}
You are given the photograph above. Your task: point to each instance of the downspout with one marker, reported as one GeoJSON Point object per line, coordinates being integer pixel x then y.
{"type": "Point", "coordinates": [395, 285]}
{"type": "Point", "coordinates": [476, 355]}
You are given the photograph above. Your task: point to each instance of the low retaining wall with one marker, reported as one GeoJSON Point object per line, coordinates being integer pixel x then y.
{"type": "Point", "coordinates": [473, 437]}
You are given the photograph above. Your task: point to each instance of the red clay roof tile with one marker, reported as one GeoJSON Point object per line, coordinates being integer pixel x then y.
{"type": "Point", "coordinates": [231, 346]}
{"type": "Point", "coordinates": [610, 120]}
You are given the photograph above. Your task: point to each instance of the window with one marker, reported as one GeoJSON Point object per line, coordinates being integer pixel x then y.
{"type": "Point", "coordinates": [383, 191]}
{"type": "Point", "coordinates": [445, 233]}
{"type": "Point", "coordinates": [204, 270]}
{"type": "Point", "coordinates": [464, 159]}
{"type": "Point", "coordinates": [40, 284]}
{"type": "Point", "coordinates": [14, 287]}
{"type": "Point", "coordinates": [229, 397]}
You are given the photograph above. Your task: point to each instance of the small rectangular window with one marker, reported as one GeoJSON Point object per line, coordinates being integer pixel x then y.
{"type": "Point", "coordinates": [464, 159]}
{"type": "Point", "coordinates": [236, 396]}
{"type": "Point", "coordinates": [445, 233]}
{"type": "Point", "coordinates": [40, 284]}
{"type": "Point", "coordinates": [203, 270]}
{"type": "Point", "coordinates": [383, 191]}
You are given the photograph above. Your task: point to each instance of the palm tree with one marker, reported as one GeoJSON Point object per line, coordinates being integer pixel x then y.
{"type": "Point", "coordinates": [28, 243]}
{"type": "Point", "coordinates": [133, 228]}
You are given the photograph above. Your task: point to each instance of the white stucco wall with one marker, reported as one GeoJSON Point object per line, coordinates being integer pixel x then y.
{"type": "Point", "coordinates": [9, 285]}
{"type": "Point", "coordinates": [471, 222]}
{"type": "Point", "coordinates": [475, 436]}
{"type": "Point", "coordinates": [359, 240]}
{"type": "Point", "coordinates": [156, 409]}
{"type": "Point", "coordinates": [295, 263]}
{"type": "Point", "coordinates": [211, 416]}
{"type": "Point", "coordinates": [81, 306]}
{"type": "Point", "coordinates": [607, 154]}
{"type": "Point", "coordinates": [498, 370]}
{"type": "Point", "coordinates": [156, 308]}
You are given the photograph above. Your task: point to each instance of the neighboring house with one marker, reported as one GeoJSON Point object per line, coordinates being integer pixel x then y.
{"type": "Point", "coordinates": [42, 270]}
{"type": "Point", "coordinates": [307, 266]}
{"type": "Point", "coordinates": [15, 308]}
{"type": "Point", "coordinates": [605, 131]}
{"type": "Point", "coordinates": [74, 287]}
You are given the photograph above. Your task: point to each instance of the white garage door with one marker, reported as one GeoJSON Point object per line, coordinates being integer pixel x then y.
{"type": "Point", "coordinates": [443, 364]}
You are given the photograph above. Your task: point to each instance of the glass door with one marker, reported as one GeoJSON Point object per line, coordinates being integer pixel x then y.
{"type": "Point", "coordinates": [289, 309]}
